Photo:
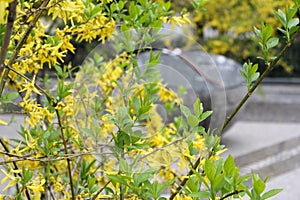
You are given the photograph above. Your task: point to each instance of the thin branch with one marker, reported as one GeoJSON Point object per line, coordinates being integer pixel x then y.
{"type": "Point", "coordinates": [44, 158]}
{"type": "Point", "coordinates": [7, 35]}
{"type": "Point", "coordinates": [182, 184]}
{"type": "Point", "coordinates": [99, 192]}
{"type": "Point", "coordinates": [269, 68]}
{"type": "Point", "coordinates": [257, 83]}
{"type": "Point", "coordinates": [15, 168]}
{"type": "Point", "coordinates": [66, 152]}
{"type": "Point", "coordinates": [8, 32]}
{"type": "Point", "coordinates": [231, 194]}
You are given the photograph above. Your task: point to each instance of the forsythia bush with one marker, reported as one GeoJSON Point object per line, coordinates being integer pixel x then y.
{"type": "Point", "coordinates": [229, 34]}
{"type": "Point", "coordinates": [97, 134]}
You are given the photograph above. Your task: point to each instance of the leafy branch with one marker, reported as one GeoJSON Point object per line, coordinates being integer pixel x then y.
{"type": "Point", "coordinates": [265, 43]}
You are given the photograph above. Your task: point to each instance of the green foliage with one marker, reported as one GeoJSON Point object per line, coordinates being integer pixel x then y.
{"type": "Point", "coordinates": [258, 189]}
{"type": "Point", "coordinates": [250, 74]}
{"type": "Point", "coordinates": [288, 22]}
{"type": "Point", "coordinates": [265, 41]}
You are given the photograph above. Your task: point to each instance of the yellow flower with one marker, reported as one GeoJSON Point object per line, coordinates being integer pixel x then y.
{"type": "Point", "coordinates": [60, 105]}
{"type": "Point", "coordinates": [199, 142]}
{"type": "Point", "coordinates": [2, 122]}
{"type": "Point", "coordinates": [158, 140]}
{"type": "Point", "coordinates": [29, 87]}
{"type": "Point", "coordinates": [30, 141]}
{"type": "Point", "coordinates": [36, 185]}
{"type": "Point", "coordinates": [177, 20]}
{"type": "Point", "coordinates": [14, 180]}
{"type": "Point", "coordinates": [166, 94]}
{"type": "Point", "coordinates": [183, 197]}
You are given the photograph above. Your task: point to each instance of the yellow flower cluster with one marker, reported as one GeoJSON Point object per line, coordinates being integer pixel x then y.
{"type": "Point", "coordinates": [36, 113]}
{"type": "Point", "coordinates": [177, 20]}
{"type": "Point", "coordinates": [87, 27]}
{"type": "Point", "coordinates": [99, 27]}
{"type": "Point", "coordinates": [235, 14]}
{"type": "Point", "coordinates": [36, 186]}
{"type": "Point", "coordinates": [86, 119]}
{"type": "Point", "coordinates": [112, 72]}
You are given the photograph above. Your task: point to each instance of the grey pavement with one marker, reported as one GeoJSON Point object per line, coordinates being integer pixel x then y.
{"type": "Point", "coordinates": [265, 139]}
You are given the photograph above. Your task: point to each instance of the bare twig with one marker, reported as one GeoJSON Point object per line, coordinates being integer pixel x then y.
{"type": "Point", "coordinates": [183, 182]}
{"type": "Point", "coordinates": [7, 35]}
{"type": "Point", "coordinates": [66, 152]}
{"type": "Point", "coordinates": [8, 32]}
{"type": "Point", "coordinates": [231, 194]}
{"type": "Point", "coordinates": [99, 191]}
{"type": "Point", "coordinates": [45, 158]}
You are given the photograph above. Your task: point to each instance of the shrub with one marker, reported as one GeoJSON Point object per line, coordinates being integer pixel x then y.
{"type": "Point", "coordinates": [98, 134]}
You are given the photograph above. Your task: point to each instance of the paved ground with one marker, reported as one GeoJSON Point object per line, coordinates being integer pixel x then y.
{"type": "Point", "coordinates": [266, 138]}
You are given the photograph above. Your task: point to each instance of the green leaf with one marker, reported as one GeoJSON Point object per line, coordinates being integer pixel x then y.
{"type": "Point", "coordinates": [185, 110]}
{"type": "Point", "coordinates": [157, 24]}
{"type": "Point", "coordinates": [272, 42]}
{"type": "Point", "coordinates": [205, 115]}
{"type": "Point", "coordinates": [133, 11]}
{"type": "Point", "coordinates": [229, 165]}
{"type": "Point", "coordinates": [193, 184]}
{"type": "Point", "coordinates": [218, 183]}
{"type": "Point", "coordinates": [259, 186]}
{"type": "Point", "coordinates": [122, 112]}
{"type": "Point", "coordinates": [209, 170]}
{"type": "Point", "coordinates": [124, 166]}
{"type": "Point", "coordinates": [200, 195]}
{"type": "Point", "coordinates": [136, 103]}
{"type": "Point", "coordinates": [267, 32]}
{"type": "Point", "coordinates": [293, 22]}
{"type": "Point", "coordinates": [193, 121]}
{"type": "Point", "coordinates": [290, 13]}
{"type": "Point", "coordinates": [282, 17]}
{"type": "Point", "coordinates": [143, 176]}
{"type": "Point", "coordinates": [254, 77]}
{"type": "Point", "coordinates": [252, 68]}
{"type": "Point", "coordinates": [271, 193]}
{"type": "Point", "coordinates": [198, 108]}
{"type": "Point", "coordinates": [120, 5]}
{"type": "Point", "coordinates": [125, 31]}
{"type": "Point", "coordinates": [282, 31]}
{"type": "Point", "coordinates": [257, 33]}
{"type": "Point", "coordinates": [58, 70]}
{"type": "Point", "coordinates": [12, 96]}
{"type": "Point", "coordinates": [294, 29]}
{"type": "Point", "coordinates": [144, 116]}
{"type": "Point", "coordinates": [91, 183]}
{"type": "Point", "coordinates": [117, 178]}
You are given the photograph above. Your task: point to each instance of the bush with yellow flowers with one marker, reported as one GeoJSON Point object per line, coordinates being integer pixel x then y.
{"type": "Point", "coordinates": [230, 23]}
{"type": "Point", "coordinates": [97, 134]}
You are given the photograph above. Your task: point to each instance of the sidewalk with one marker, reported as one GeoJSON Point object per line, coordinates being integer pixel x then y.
{"type": "Point", "coordinates": [270, 149]}
{"type": "Point", "coordinates": [266, 138]}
